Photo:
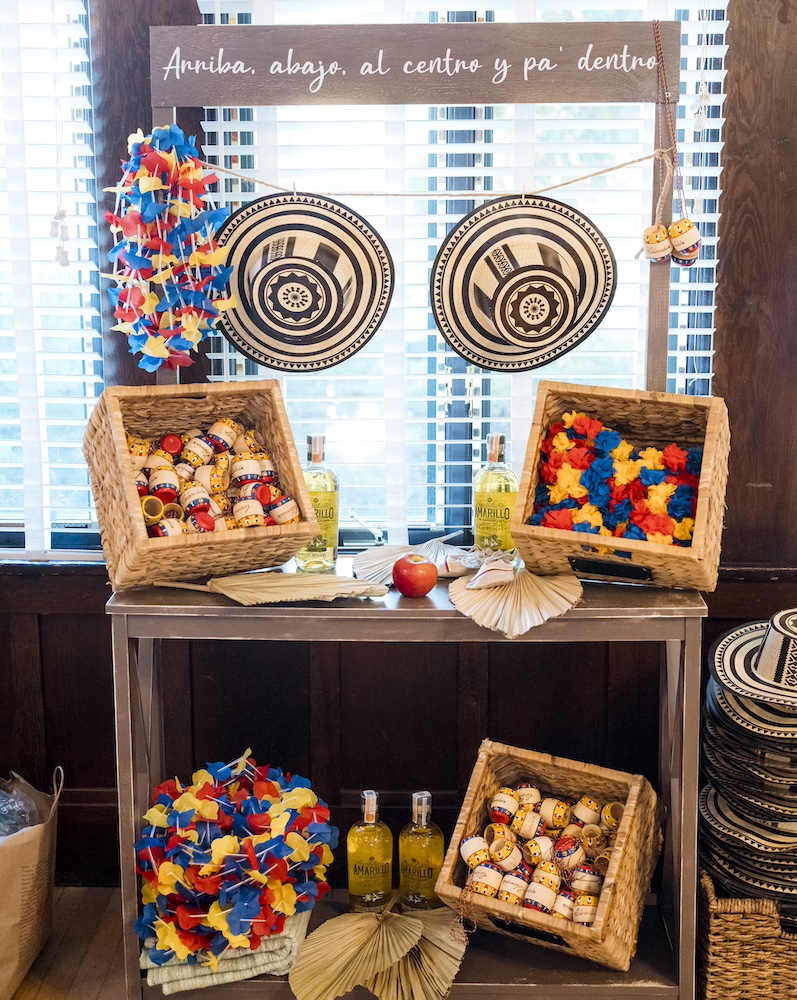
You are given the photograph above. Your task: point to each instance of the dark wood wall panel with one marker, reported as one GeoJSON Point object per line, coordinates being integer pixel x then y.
{"type": "Point", "coordinates": [756, 350]}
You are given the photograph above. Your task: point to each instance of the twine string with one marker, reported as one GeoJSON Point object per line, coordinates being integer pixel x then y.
{"type": "Point", "coordinates": [659, 153]}
{"type": "Point", "coordinates": [664, 101]}
{"type": "Point", "coordinates": [664, 157]}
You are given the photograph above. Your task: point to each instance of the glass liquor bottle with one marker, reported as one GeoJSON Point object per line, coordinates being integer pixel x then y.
{"type": "Point", "coordinates": [495, 490]}
{"type": "Point", "coordinates": [320, 554]}
{"type": "Point", "coordinates": [421, 852]}
{"type": "Point", "coordinates": [369, 849]}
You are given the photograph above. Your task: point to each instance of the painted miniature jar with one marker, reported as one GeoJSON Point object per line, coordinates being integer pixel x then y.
{"type": "Point", "coordinates": [171, 443]}
{"type": "Point", "coordinates": [568, 853]}
{"type": "Point", "coordinates": [142, 484]}
{"type": "Point", "coordinates": [195, 499]}
{"type": "Point", "coordinates": [230, 521]}
{"type": "Point", "coordinates": [585, 908]}
{"type": "Point", "coordinates": [513, 886]}
{"type": "Point", "coordinates": [157, 460]}
{"type": "Point", "coordinates": [572, 830]}
{"type": "Point", "coordinates": [505, 854]}
{"type": "Point", "coordinates": [684, 236]}
{"type": "Point", "coordinates": [563, 904]}
{"type": "Point", "coordinates": [547, 873]}
{"type": "Point", "coordinates": [166, 526]}
{"type": "Point", "coordinates": [285, 510]}
{"type": "Point", "coordinates": [503, 805]}
{"type": "Point", "coordinates": [556, 813]}
{"type": "Point", "coordinates": [593, 840]}
{"type": "Point", "coordinates": [267, 471]}
{"type": "Point", "coordinates": [500, 830]}
{"type": "Point", "coordinates": [200, 522]}
{"type": "Point", "coordinates": [486, 879]}
{"type": "Point", "coordinates": [248, 514]}
{"type": "Point", "coordinates": [221, 523]}
{"type": "Point", "coordinates": [584, 878]}
{"type": "Point", "coordinates": [602, 862]}
{"type": "Point", "coordinates": [152, 509]}
{"type": "Point", "coordinates": [193, 432]}
{"type": "Point", "coordinates": [611, 815]}
{"type": "Point", "coordinates": [197, 451]}
{"type": "Point", "coordinates": [185, 472]}
{"type": "Point", "coordinates": [528, 794]}
{"type": "Point", "coordinates": [256, 490]}
{"type": "Point", "coordinates": [174, 511]}
{"type": "Point", "coordinates": [474, 850]}
{"type": "Point", "coordinates": [527, 824]}
{"type": "Point", "coordinates": [165, 484]}
{"type": "Point", "coordinates": [586, 810]}
{"type": "Point", "coordinates": [244, 469]}
{"type": "Point", "coordinates": [215, 510]}
{"type": "Point", "coordinates": [539, 897]}
{"type": "Point", "coordinates": [537, 850]}
{"type": "Point", "coordinates": [685, 261]}
{"type": "Point", "coordinates": [658, 245]}
{"type": "Point", "coordinates": [139, 449]}
{"type": "Point", "coordinates": [222, 433]}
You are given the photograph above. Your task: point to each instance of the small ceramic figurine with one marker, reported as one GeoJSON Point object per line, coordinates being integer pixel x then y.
{"type": "Point", "coordinates": [474, 850]}
{"type": "Point", "coordinates": [563, 905]}
{"type": "Point", "coordinates": [514, 884]}
{"type": "Point", "coordinates": [528, 824]}
{"type": "Point", "coordinates": [486, 879]}
{"type": "Point", "coordinates": [586, 810]}
{"type": "Point", "coordinates": [555, 812]}
{"type": "Point", "coordinates": [658, 246]}
{"type": "Point", "coordinates": [539, 897]}
{"type": "Point", "coordinates": [504, 805]}
{"type": "Point", "coordinates": [547, 872]}
{"type": "Point", "coordinates": [505, 854]}
{"type": "Point", "coordinates": [585, 908]}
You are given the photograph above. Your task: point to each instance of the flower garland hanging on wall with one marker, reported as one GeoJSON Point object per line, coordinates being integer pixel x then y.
{"type": "Point", "coordinates": [169, 270]}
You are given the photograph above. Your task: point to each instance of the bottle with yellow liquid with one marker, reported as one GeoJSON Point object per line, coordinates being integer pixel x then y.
{"type": "Point", "coordinates": [320, 554]}
{"type": "Point", "coordinates": [369, 848]}
{"type": "Point", "coordinates": [421, 853]}
{"type": "Point", "coordinates": [495, 490]}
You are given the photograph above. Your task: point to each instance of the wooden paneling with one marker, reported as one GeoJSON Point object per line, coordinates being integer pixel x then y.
{"type": "Point", "coordinates": [756, 351]}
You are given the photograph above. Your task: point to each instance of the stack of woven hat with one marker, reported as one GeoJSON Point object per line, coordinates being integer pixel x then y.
{"type": "Point", "coordinates": [748, 810]}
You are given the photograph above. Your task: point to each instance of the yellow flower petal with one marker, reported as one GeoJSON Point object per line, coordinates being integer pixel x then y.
{"type": "Point", "coordinates": [155, 347]}
{"type": "Point", "coordinates": [659, 539]}
{"type": "Point", "coordinates": [562, 443]}
{"type": "Point", "coordinates": [301, 849]}
{"type": "Point", "coordinates": [622, 452]}
{"type": "Point", "coordinates": [169, 940]}
{"type": "Point", "coordinates": [684, 529]}
{"type": "Point", "coordinates": [626, 471]}
{"type": "Point", "coordinates": [222, 846]}
{"type": "Point", "coordinates": [651, 458]}
{"type": "Point", "coordinates": [568, 419]}
{"type": "Point", "coordinates": [157, 816]}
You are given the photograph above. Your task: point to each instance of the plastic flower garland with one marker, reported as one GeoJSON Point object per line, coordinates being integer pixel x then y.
{"type": "Point", "coordinates": [168, 268]}
{"type": "Point", "coordinates": [594, 481]}
{"type": "Point", "coordinates": [225, 859]}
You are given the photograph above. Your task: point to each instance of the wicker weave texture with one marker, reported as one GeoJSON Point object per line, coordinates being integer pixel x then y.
{"type": "Point", "coordinates": [612, 938]}
{"type": "Point", "coordinates": [743, 952]}
{"type": "Point", "coordinates": [645, 418]}
{"type": "Point", "coordinates": [136, 560]}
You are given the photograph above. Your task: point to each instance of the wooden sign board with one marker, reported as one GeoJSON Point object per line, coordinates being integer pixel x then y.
{"type": "Point", "coordinates": [482, 63]}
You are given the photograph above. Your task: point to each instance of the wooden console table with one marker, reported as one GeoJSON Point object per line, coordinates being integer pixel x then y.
{"type": "Point", "coordinates": [495, 966]}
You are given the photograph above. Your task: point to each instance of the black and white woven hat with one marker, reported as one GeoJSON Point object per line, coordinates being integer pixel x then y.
{"type": "Point", "coordinates": [759, 660]}
{"type": "Point", "coordinates": [520, 281]}
{"type": "Point", "coordinates": [311, 278]}
{"type": "Point", "coordinates": [751, 723]}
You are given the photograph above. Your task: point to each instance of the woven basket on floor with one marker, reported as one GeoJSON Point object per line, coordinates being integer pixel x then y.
{"type": "Point", "coordinates": [133, 558]}
{"type": "Point", "coordinates": [743, 952]}
{"type": "Point", "coordinates": [612, 938]}
{"type": "Point", "coordinates": [644, 418]}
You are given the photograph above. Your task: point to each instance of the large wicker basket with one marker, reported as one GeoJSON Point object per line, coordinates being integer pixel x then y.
{"type": "Point", "coordinates": [743, 952]}
{"type": "Point", "coordinates": [133, 558]}
{"type": "Point", "coordinates": [612, 938]}
{"type": "Point", "coordinates": [646, 418]}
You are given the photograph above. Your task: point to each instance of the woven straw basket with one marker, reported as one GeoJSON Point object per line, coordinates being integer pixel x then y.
{"type": "Point", "coordinates": [644, 418]}
{"type": "Point", "coordinates": [612, 938]}
{"type": "Point", "coordinates": [136, 560]}
{"type": "Point", "coordinates": [743, 952]}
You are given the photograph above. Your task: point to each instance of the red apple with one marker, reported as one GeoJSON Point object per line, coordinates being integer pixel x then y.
{"type": "Point", "coordinates": [414, 575]}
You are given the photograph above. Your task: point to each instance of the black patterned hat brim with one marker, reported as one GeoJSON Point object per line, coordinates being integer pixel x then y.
{"type": "Point", "coordinates": [732, 661]}
{"type": "Point", "coordinates": [521, 281]}
{"type": "Point", "coordinates": [311, 278]}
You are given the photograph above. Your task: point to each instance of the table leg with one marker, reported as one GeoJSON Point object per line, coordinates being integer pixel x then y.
{"type": "Point", "coordinates": [128, 767]}
{"type": "Point", "coordinates": [690, 764]}
{"type": "Point", "coordinates": [149, 686]}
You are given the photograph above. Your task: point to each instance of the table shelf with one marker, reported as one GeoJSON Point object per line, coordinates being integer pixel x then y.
{"type": "Point", "coordinates": [495, 965]}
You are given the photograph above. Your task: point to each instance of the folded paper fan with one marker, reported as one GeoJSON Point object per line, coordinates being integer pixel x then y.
{"type": "Point", "coordinates": [428, 969]}
{"type": "Point", "coordinates": [250, 589]}
{"type": "Point", "coordinates": [513, 609]}
{"type": "Point", "coordinates": [350, 950]}
{"type": "Point", "coordinates": [376, 564]}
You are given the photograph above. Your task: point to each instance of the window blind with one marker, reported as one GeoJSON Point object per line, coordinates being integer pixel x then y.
{"type": "Point", "coordinates": [406, 418]}
{"type": "Point", "coordinates": [50, 348]}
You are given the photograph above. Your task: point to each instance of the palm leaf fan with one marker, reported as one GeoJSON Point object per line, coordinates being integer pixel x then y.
{"type": "Point", "coordinates": [516, 607]}
{"type": "Point", "coordinates": [376, 564]}
{"type": "Point", "coordinates": [349, 950]}
{"type": "Point", "coordinates": [428, 969]}
{"type": "Point", "coordinates": [271, 588]}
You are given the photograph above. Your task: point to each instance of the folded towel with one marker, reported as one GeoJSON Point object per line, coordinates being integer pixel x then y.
{"type": "Point", "coordinates": [275, 956]}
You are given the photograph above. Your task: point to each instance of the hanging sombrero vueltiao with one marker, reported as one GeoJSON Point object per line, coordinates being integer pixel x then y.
{"type": "Point", "coordinates": [312, 280]}
{"type": "Point", "coordinates": [521, 281]}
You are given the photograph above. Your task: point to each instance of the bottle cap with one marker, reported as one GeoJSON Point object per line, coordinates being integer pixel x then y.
{"type": "Point", "coordinates": [172, 443]}
{"type": "Point", "coordinates": [370, 800]}
{"type": "Point", "coordinates": [496, 444]}
{"type": "Point", "coordinates": [202, 521]}
{"type": "Point", "coordinates": [421, 808]}
{"type": "Point", "coordinates": [315, 448]}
